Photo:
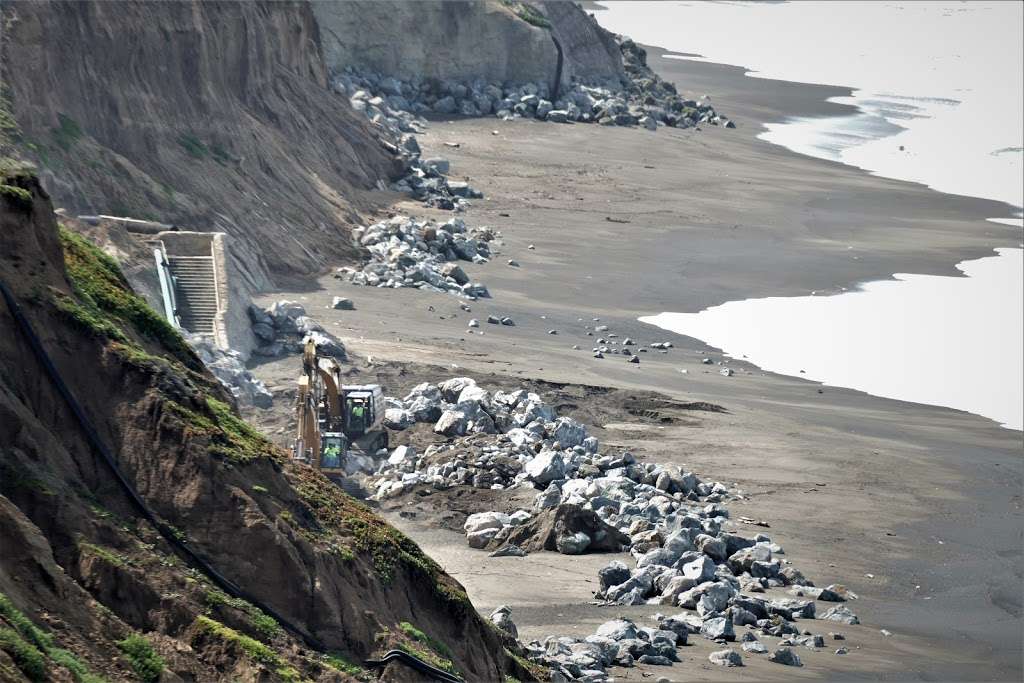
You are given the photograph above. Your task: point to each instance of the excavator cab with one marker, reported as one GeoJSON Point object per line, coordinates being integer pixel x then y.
{"type": "Point", "coordinates": [363, 414]}
{"type": "Point", "coordinates": [332, 451]}
{"type": "Point", "coordinates": [358, 413]}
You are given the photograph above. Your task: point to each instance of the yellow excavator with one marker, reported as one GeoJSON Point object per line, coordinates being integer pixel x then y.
{"type": "Point", "coordinates": [335, 420]}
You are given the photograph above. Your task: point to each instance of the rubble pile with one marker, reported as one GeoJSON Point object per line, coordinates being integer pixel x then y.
{"type": "Point", "coordinates": [228, 367]}
{"type": "Point", "coordinates": [502, 439]}
{"type": "Point", "coordinates": [285, 328]}
{"type": "Point", "coordinates": [644, 100]}
{"type": "Point", "coordinates": [405, 252]}
{"type": "Point", "coordinates": [688, 554]}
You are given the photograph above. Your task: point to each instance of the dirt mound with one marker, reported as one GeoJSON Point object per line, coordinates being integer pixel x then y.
{"type": "Point", "coordinates": [209, 115]}
{"type": "Point", "coordinates": [88, 586]}
{"type": "Point", "coordinates": [548, 530]}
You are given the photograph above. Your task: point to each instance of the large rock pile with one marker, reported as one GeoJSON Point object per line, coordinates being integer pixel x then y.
{"type": "Point", "coordinates": [687, 553]}
{"type": "Point", "coordinates": [645, 100]}
{"type": "Point", "coordinates": [405, 252]}
{"type": "Point", "coordinates": [500, 439]}
{"type": "Point", "coordinates": [284, 327]}
{"type": "Point", "coordinates": [504, 439]}
{"type": "Point", "coordinates": [228, 367]}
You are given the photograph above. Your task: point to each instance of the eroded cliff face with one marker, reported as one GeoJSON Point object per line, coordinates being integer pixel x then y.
{"type": "Point", "coordinates": [211, 115]}
{"type": "Point", "coordinates": [466, 40]}
{"type": "Point", "coordinates": [83, 574]}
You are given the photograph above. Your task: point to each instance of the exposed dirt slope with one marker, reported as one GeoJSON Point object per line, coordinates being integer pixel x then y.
{"type": "Point", "coordinates": [212, 115]}
{"type": "Point", "coordinates": [88, 586]}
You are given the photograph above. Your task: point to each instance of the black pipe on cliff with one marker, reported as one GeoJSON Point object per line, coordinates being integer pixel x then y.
{"type": "Point", "coordinates": [558, 68]}
{"type": "Point", "coordinates": [180, 544]}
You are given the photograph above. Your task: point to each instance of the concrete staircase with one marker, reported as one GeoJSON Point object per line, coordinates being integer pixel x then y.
{"type": "Point", "coordinates": [195, 288]}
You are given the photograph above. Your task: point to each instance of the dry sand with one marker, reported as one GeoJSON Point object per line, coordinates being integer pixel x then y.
{"type": "Point", "coordinates": [926, 500]}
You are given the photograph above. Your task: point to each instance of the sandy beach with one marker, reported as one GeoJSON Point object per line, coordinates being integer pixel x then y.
{"type": "Point", "coordinates": [915, 508]}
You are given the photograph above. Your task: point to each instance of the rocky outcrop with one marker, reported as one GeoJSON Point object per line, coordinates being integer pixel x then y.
{"type": "Point", "coordinates": [591, 53]}
{"type": "Point", "coordinates": [461, 40]}
{"type": "Point", "coordinates": [486, 40]}
{"type": "Point", "coordinates": [88, 585]}
{"type": "Point", "coordinates": [216, 116]}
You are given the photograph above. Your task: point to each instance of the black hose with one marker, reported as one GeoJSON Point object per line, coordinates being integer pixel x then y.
{"type": "Point", "coordinates": [558, 68]}
{"type": "Point", "coordinates": [413, 662]}
{"type": "Point", "coordinates": [169, 535]}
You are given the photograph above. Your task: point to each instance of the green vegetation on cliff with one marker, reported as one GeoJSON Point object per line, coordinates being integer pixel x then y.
{"type": "Point", "coordinates": [105, 299]}
{"type": "Point", "coordinates": [32, 649]}
{"type": "Point", "coordinates": [528, 13]}
{"type": "Point", "coordinates": [146, 663]}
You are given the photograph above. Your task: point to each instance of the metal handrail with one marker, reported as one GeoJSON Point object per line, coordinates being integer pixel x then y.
{"type": "Point", "coordinates": [166, 278]}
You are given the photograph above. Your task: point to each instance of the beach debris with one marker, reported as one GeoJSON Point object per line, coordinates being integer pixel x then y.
{"type": "Point", "coordinates": [786, 656]}
{"type": "Point", "coordinates": [509, 550]}
{"type": "Point", "coordinates": [340, 303]}
{"type": "Point", "coordinates": [725, 658]}
{"type": "Point", "coordinates": [840, 613]}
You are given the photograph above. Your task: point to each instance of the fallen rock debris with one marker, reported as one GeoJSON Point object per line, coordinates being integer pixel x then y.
{"type": "Point", "coordinates": [687, 552]}
{"type": "Point", "coordinates": [284, 327]}
{"type": "Point", "coordinates": [645, 99]}
{"type": "Point", "coordinates": [228, 367]}
{"type": "Point", "coordinates": [405, 252]}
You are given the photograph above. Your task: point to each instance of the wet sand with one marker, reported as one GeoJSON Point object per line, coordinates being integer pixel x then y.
{"type": "Point", "coordinates": [926, 500]}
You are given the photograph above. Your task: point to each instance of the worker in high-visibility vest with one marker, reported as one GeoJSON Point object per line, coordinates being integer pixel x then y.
{"type": "Point", "coordinates": [357, 417]}
{"type": "Point", "coordinates": [331, 457]}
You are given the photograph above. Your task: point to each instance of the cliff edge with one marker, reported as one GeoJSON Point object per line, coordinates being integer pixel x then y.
{"type": "Point", "coordinates": [92, 589]}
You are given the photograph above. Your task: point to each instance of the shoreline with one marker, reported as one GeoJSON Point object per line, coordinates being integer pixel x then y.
{"type": "Point", "coordinates": [716, 215]}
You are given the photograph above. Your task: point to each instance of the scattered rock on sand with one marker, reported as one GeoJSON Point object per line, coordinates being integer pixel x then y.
{"type": "Point", "coordinates": [785, 655]}
{"type": "Point", "coordinates": [340, 303]}
{"type": "Point", "coordinates": [725, 658]}
{"type": "Point", "coordinates": [840, 613]}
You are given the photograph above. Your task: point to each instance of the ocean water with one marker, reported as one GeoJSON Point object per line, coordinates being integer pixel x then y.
{"type": "Point", "coordinates": [846, 340]}
{"type": "Point", "coordinates": [939, 92]}
{"type": "Point", "coordinates": [945, 80]}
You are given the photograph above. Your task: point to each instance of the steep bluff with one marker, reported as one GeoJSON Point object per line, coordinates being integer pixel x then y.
{"type": "Point", "coordinates": [211, 115]}
{"type": "Point", "coordinates": [464, 40]}
{"type": "Point", "coordinates": [88, 587]}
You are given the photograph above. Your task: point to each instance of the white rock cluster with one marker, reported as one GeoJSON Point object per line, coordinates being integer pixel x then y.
{"type": "Point", "coordinates": [405, 252]}
{"type": "Point", "coordinates": [501, 439]}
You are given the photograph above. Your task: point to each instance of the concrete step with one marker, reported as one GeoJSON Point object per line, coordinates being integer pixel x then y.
{"type": "Point", "coordinates": [194, 285]}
